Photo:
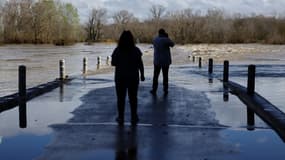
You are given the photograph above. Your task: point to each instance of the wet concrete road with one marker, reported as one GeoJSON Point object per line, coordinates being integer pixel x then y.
{"type": "Point", "coordinates": [171, 127]}
{"type": "Point", "coordinates": [191, 122]}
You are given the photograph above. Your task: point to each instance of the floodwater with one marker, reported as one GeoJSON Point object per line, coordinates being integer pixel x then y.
{"type": "Point", "coordinates": [42, 62]}
{"type": "Point", "coordinates": [269, 61]}
{"type": "Point", "coordinates": [48, 136]}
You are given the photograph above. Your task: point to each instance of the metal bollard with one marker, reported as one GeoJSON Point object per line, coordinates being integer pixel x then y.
{"type": "Point", "coordinates": [61, 69]}
{"type": "Point", "coordinates": [210, 79]}
{"type": "Point", "coordinates": [61, 92]}
{"type": "Point", "coordinates": [200, 62]}
{"type": "Point", "coordinates": [226, 93]}
{"type": "Point", "coordinates": [210, 69]}
{"type": "Point", "coordinates": [84, 65]}
{"type": "Point", "coordinates": [251, 80]}
{"type": "Point", "coordinates": [250, 119]}
{"type": "Point", "coordinates": [108, 60]}
{"type": "Point", "coordinates": [98, 60]}
{"type": "Point", "coordinates": [22, 97]}
{"type": "Point", "coordinates": [226, 71]}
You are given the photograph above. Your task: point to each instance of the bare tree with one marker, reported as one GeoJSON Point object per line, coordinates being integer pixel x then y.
{"type": "Point", "coordinates": [68, 23]}
{"type": "Point", "coordinates": [122, 20]}
{"type": "Point", "coordinates": [10, 14]}
{"type": "Point", "coordinates": [123, 17]}
{"type": "Point", "coordinates": [24, 20]}
{"type": "Point", "coordinates": [157, 11]}
{"type": "Point", "coordinates": [177, 23]}
{"type": "Point", "coordinates": [41, 21]}
{"type": "Point", "coordinates": [214, 27]}
{"type": "Point", "coordinates": [53, 21]}
{"type": "Point", "coordinates": [95, 23]}
{"type": "Point", "coordinates": [1, 24]}
{"type": "Point", "coordinates": [44, 24]}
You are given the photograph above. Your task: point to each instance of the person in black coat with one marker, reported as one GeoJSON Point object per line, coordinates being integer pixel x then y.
{"type": "Point", "coordinates": [161, 60]}
{"type": "Point", "coordinates": [127, 59]}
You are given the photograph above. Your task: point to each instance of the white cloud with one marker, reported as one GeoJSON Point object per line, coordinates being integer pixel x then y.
{"type": "Point", "coordinates": [140, 8]}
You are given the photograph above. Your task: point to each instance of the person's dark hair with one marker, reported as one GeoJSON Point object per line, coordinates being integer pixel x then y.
{"type": "Point", "coordinates": [162, 33]}
{"type": "Point", "coordinates": [126, 41]}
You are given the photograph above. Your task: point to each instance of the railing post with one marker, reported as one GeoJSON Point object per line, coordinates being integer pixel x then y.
{"type": "Point", "coordinates": [226, 93]}
{"type": "Point", "coordinates": [251, 80]}
{"type": "Point", "coordinates": [226, 71]}
{"type": "Point", "coordinates": [250, 91]}
{"type": "Point", "coordinates": [200, 62]}
{"type": "Point", "coordinates": [210, 69]}
{"type": "Point", "coordinates": [84, 65]}
{"type": "Point", "coordinates": [250, 119]}
{"type": "Point", "coordinates": [22, 97]}
{"type": "Point", "coordinates": [61, 69]}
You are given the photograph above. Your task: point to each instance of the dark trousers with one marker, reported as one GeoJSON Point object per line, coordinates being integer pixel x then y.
{"type": "Point", "coordinates": [156, 73]}
{"type": "Point", "coordinates": [122, 89]}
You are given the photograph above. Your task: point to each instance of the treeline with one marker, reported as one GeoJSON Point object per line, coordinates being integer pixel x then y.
{"type": "Point", "coordinates": [41, 21]}
{"type": "Point", "coordinates": [50, 21]}
{"type": "Point", "coordinates": [187, 26]}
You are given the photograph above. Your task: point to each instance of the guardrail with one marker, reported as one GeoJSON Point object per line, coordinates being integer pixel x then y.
{"type": "Point", "coordinates": [256, 104]}
{"type": "Point", "coordinates": [20, 99]}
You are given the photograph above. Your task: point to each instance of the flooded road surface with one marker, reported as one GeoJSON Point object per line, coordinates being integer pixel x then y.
{"type": "Point", "coordinates": [77, 122]}
{"type": "Point", "coordinates": [196, 120]}
{"type": "Point", "coordinates": [269, 61]}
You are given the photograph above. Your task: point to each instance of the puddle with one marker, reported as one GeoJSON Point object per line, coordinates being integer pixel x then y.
{"type": "Point", "coordinates": [261, 144]}
{"type": "Point", "coordinates": [23, 147]}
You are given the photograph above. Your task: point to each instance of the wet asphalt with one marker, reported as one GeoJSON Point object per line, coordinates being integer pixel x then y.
{"type": "Point", "coordinates": [194, 121]}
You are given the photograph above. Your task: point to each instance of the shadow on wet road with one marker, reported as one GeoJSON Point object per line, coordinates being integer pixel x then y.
{"type": "Point", "coordinates": [177, 126]}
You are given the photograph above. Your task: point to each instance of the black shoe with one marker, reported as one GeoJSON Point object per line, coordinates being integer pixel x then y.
{"type": "Point", "coordinates": [120, 120]}
{"type": "Point", "coordinates": [165, 93]}
{"type": "Point", "coordinates": [153, 92]}
{"type": "Point", "coordinates": [135, 120]}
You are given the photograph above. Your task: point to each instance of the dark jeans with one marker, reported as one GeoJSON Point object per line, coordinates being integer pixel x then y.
{"type": "Point", "coordinates": [122, 89]}
{"type": "Point", "coordinates": [156, 73]}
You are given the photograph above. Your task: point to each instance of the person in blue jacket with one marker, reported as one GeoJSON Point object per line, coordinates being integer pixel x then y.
{"type": "Point", "coordinates": [127, 59]}
{"type": "Point", "coordinates": [161, 60]}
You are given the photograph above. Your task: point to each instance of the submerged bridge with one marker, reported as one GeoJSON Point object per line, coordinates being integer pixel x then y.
{"type": "Point", "coordinates": [198, 119]}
